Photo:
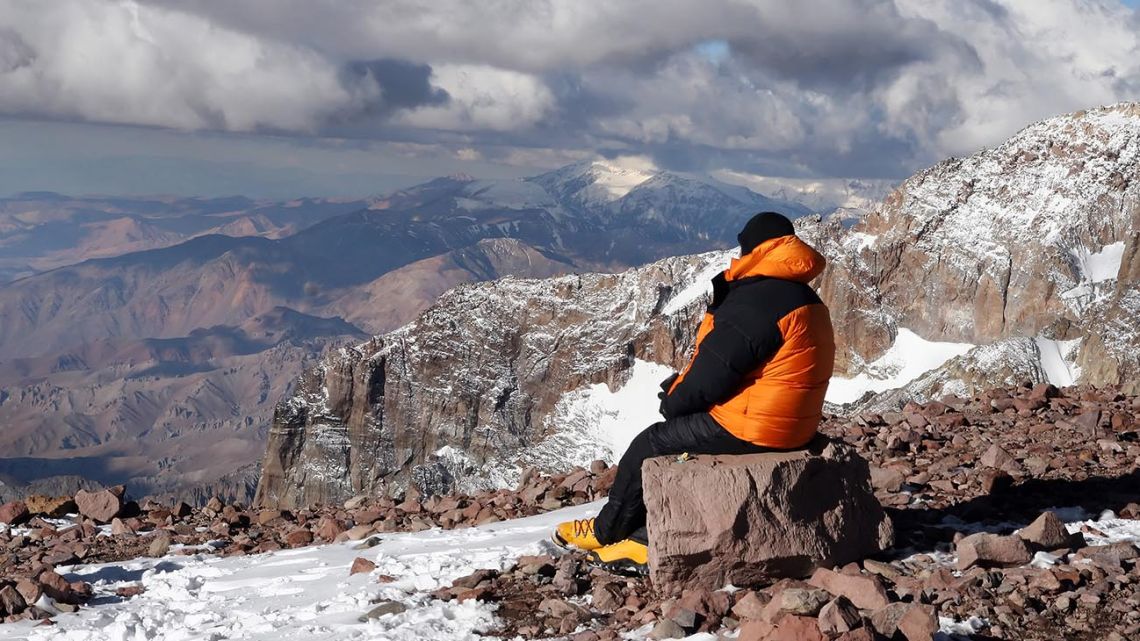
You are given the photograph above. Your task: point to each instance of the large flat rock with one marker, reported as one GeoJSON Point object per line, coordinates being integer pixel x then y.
{"type": "Point", "coordinates": [744, 520]}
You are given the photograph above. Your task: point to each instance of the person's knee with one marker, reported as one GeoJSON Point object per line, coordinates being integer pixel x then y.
{"type": "Point", "coordinates": [641, 447]}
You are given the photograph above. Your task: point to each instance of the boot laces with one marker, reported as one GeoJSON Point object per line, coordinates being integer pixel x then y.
{"type": "Point", "coordinates": [583, 527]}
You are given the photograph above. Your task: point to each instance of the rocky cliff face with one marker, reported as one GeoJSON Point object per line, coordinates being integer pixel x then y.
{"type": "Point", "coordinates": [1025, 254]}
{"type": "Point", "coordinates": [1023, 240]}
{"type": "Point", "coordinates": [465, 388]}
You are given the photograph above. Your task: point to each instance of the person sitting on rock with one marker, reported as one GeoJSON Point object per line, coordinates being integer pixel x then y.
{"type": "Point", "coordinates": [756, 381]}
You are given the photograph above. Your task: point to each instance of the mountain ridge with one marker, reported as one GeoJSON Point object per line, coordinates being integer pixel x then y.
{"type": "Point", "coordinates": [385, 415]}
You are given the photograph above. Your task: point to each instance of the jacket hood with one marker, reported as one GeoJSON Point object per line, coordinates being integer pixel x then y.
{"type": "Point", "coordinates": [786, 257]}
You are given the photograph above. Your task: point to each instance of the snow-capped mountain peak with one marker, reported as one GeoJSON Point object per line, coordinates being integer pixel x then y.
{"type": "Point", "coordinates": [594, 183]}
{"type": "Point", "coordinates": [617, 181]}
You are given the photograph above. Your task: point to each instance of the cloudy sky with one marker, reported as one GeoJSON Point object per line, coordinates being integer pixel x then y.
{"type": "Point", "coordinates": [290, 97]}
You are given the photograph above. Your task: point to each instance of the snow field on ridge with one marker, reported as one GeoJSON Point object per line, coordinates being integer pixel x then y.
{"type": "Point", "coordinates": [611, 419]}
{"type": "Point", "coordinates": [908, 358]}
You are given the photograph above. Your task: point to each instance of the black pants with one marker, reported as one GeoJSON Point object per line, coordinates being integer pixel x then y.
{"type": "Point", "coordinates": [623, 516]}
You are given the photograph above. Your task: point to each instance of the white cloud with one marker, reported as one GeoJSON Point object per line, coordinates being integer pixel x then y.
{"type": "Point", "coordinates": [483, 98]}
{"type": "Point", "coordinates": [118, 62]}
{"type": "Point", "coordinates": [1040, 58]}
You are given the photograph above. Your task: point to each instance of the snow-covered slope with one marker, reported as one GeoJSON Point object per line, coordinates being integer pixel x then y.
{"type": "Point", "coordinates": [617, 194]}
{"type": "Point", "coordinates": [307, 593]}
{"type": "Point", "coordinates": [304, 593]}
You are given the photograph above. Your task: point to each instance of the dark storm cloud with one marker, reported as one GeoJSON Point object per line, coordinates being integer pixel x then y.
{"type": "Point", "coordinates": [402, 84]}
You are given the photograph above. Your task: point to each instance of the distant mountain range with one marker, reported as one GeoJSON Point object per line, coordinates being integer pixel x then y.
{"type": "Point", "coordinates": [156, 358]}
{"type": "Point", "coordinates": [43, 230]}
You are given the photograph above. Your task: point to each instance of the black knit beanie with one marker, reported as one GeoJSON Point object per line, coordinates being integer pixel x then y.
{"type": "Point", "coordinates": [763, 226]}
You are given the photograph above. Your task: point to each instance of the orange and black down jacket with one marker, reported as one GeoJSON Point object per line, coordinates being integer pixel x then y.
{"type": "Point", "coordinates": [765, 350]}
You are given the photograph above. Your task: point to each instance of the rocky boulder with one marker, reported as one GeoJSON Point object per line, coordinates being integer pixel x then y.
{"type": "Point", "coordinates": [53, 506]}
{"type": "Point", "coordinates": [101, 506]}
{"type": "Point", "coordinates": [715, 520]}
{"type": "Point", "coordinates": [991, 550]}
{"type": "Point", "coordinates": [14, 513]}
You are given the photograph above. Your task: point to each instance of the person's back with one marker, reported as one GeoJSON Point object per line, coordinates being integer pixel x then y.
{"type": "Point", "coordinates": [756, 382]}
{"type": "Point", "coordinates": [774, 350]}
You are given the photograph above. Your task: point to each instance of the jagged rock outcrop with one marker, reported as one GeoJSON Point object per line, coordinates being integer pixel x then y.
{"type": "Point", "coordinates": [467, 386]}
{"type": "Point", "coordinates": [1035, 237]}
{"type": "Point", "coordinates": [776, 515]}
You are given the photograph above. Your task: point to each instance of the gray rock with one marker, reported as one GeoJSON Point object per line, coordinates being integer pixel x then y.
{"type": "Point", "coordinates": [667, 629]}
{"type": "Point", "coordinates": [160, 545]}
{"type": "Point", "coordinates": [885, 620]}
{"type": "Point", "coordinates": [799, 601]}
{"type": "Point", "coordinates": [386, 607]}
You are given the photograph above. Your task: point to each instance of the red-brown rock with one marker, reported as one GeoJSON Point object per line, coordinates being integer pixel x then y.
{"type": "Point", "coordinates": [919, 623]}
{"type": "Point", "coordinates": [694, 540]}
{"type": "Point", "coordinates": [992, 550]}
{"type": "Point", "coordinates": [838, 616]}
{"type": "Point", "coordinates": [29, 589]}
{"type": "Point", "coordinates": [750, 606]}
{"type": "Point", "coordinates": [14, 513]}
{"type": "Point", "coordinates": [299, 538]}
{"type": "Point", "coordinates": [1047, 532]}
{"type": "Point", "coordinates": [755, 630]}
{"type": "Point", "coordinates": [796, 628]}
{"type": "Point", "coordinates": [361, 565]}
{"type": "Point", "coordinates": [861, 634]}
{"type": "Point", "coordinates": [100, 506]}
{"type": "Point", "coordinates": [866, 591]}
{"type": "Point", "coordinates": [11, 601]}
{"type": "Point", "coordinates": [997, 458]}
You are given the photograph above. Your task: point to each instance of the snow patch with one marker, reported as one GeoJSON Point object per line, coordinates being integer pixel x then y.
{"type": "Point", "coordinates": [700, 287]}
{"type": "Point", "coordinates": [860, 241]}
{"type": "Point", "coordinates": [601, 421]}
{"type": "Point", "coordinates": [1107, 529]}
{"type": "Point", "coordinates": [1057, 360]}
{"type": "Point", "coordinates": [1093, 269]}
{"type": "Point", "coordinates": [960, 629]}
{"type": "Point", "coordinates": [909, 357]}
{"type": "Point", "coordinates": [1097, 267]}
{"type": "Point", "coordinates": [618, 181]}
{"type": "Point", "coordinates": [303, 593]}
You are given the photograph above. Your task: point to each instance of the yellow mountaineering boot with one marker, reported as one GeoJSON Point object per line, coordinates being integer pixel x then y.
{"type": "Point", "coordinates": [578, 533]}
{"type": "Point", "coordinates": [624, 557]}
